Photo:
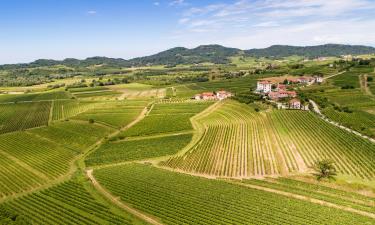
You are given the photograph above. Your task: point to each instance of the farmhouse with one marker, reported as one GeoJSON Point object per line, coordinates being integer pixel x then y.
{"type": "Point", "coordinates": [318, 79]}
{"type": "Point", "coordinates": [305, 80]}
{"type": "Point", "coordinates": [220, 95]}
{"type": "Point", "coordinates": [264, 86]}
{"type": "Point", "coordinates": [223, 95]}
{"type": "Point", "coordinates": [274, 95]}
{"type": "Point", "coordinates": [281, 87]}
{"type": "Point", "coordinates": [295, 104]}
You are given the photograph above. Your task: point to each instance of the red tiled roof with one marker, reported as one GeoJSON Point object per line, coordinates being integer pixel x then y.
{"type": "Point", "coordinates": [294, 100]}
{"type": "Point", "coordinates": [265, 82]}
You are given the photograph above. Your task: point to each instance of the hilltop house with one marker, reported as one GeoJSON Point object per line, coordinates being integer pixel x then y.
{"type": "Point", "coordinates": [220, 95]}
{"type": "Point", "coordinates": [264, 86]}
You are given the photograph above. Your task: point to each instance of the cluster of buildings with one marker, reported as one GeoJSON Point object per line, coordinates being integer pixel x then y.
{"type": "Point", "coordinates": [276, 91]}
{"type": "Point", "coordinates": [220, 95]}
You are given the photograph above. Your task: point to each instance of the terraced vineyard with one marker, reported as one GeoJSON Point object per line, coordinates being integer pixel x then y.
{"type": "Point", "coordinates": [67, 203]}
{"type": "Point", "coordinates": [21, 116]}
{"type": "Point", "coordinates": [238, 142]}
{"type": "Point", "coordinates": [177, 198]}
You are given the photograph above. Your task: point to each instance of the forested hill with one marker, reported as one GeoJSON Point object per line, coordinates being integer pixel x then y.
{"type": "Point", "coordinates": [206, 53]}
{"type": "Point", "coordinates": [310, 51]}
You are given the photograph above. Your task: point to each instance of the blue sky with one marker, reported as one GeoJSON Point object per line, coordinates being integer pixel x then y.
{"type": "Point", "coordinates": [57, 29]}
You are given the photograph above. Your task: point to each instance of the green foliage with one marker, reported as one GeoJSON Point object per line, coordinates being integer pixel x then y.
{"type": "Point", "coordinates": [324, 169]}
{"type": "Point", "coordinates": [278, 51]}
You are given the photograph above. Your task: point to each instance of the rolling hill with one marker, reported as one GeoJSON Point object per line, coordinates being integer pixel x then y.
{"type": "Point", "coordinates": [205, 53]}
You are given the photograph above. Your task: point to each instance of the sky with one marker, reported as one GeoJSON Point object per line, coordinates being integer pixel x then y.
{"type": "Point", "coordinates": [58, 29]}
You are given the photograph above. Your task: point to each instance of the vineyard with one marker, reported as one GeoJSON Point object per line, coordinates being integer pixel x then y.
{"type": "Point", "coordinates": [166, 118]}
{"type": "Point", "coordinates": [65, 109]}
{"type": "Point", "coordinates": [239, 142]}
{"type": "Point", "coordinates": [74, 134]}
{"type": "Point", "coordinates": [112, 113]}
{"type": "Point", "coordinates": [318, 191]}
{"type": "Point", "coordinates": [120, 151]}
{"type": "Point", "coordinates": [177, 198]}
{"type": "Point", "coordinates": [52, 95]}
{"type": "Point", "coordinates": [21, 116]}
{"type": "Point", "coordinates": [67, 203]}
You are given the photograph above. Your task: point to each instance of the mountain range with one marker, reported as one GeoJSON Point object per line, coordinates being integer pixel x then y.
{"type": "Point", "coordinates": [207, 53]}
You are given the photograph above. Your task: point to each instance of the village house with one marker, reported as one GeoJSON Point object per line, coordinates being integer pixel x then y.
{"type": "Point", "coordinates": [205, 96]}
{"type": "Point", "coordinates": [264, 86]}
{"type": "Point", "coordinates": [274, 95]}
{"type": "Point", "coordinates": [305, 80]}
{"type": "Point", "coordinates": [220, 95]}
{"type": "Point", "coordinates": [295, 104]}
{"type": "Point", "coordinates": [223, 95]}
{"type": "Point", "coordinates": [281, 87]}
{"type": "Point", "coordinates": [318, 79]}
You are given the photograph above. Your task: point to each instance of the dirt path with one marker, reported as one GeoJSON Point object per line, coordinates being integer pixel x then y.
{"type": "Point", "coordinates": [333, 75]}
{"type": "Point", "coordinates": [116, 200]}
{"type": "Point", "coordinates": [364, 85]}
{"type": "Point", "coordinates": [322, 116]}
{"type": "Point", "coordinates": [198, 127]}
{"type": "Point", "coordinates": [304, 198]}
{"type": "Point", "coordinates": [154, 136]}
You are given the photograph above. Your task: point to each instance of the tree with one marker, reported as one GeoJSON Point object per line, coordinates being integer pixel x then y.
{"type": "Point", "coordinates": [91, 121]}
{"type": "Point", "coordinates": [324, 169]}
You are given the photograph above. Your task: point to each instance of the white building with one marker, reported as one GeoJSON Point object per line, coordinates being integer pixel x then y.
{"type": "Point", "coordinates": [318, 79]}
{"type": "Point", "coordinates": [295, 104]}
{"type": "Point", "coordinates": [264, 86]}
{"type": "Point", "coordinates": [223, 95]}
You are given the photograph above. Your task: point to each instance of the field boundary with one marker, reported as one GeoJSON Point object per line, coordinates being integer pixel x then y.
{"type": "Point", "coordinates": [117, 201]}
{"type": "Point", "coordinates": [305, 198]}
{"type": "Point", "coordinates": [323, 117]}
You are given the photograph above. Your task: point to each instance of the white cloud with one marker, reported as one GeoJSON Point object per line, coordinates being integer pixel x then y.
{"type": "Point", "coordinates": [252, 23]}
{"type": "Point", "coordinates": [178, 3]}
{"type": "Point", "coordinates": [91, 12]}
{"type": "Point", "coordinates": [156, 3]}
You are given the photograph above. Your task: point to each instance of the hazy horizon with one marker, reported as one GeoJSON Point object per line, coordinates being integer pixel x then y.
{"type": "Point", "coordinates": [57, 30]}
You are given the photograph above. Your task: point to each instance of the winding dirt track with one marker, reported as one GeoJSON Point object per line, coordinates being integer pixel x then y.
{"type": "Point", "coordinates": [117, 201]}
